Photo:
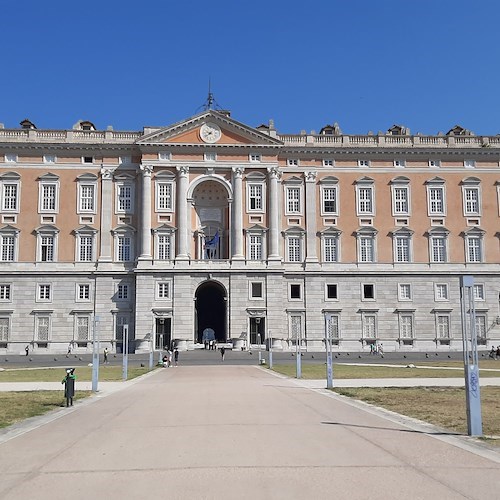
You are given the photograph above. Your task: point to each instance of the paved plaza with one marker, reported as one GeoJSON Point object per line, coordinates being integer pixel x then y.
{"type": "Point", "coordinates": [236, 431]}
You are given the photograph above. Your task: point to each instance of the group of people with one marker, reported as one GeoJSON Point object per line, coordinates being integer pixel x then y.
{"type": "Point", "coordinates": [495, 353]}
{"type": "Point", "coordinates": [167, 358]}
{"type": "Point", "coordinates": [377, 349]}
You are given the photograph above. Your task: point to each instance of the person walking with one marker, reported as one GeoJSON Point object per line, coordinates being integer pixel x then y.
{"type": "Point", "coordinates": [69, 386]}
{"type": "Point", "coordinates": [105, 355]}
{"type": "Point", "coordinates": [27, 350]}
{"type": "Point", "coordinates": [176, 356]}
{"type": "Point", "coordinates": [222, 352]}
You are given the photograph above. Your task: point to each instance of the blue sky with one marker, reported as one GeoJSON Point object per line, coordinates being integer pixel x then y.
{"type": "Point", "coordinates": [427, 64]}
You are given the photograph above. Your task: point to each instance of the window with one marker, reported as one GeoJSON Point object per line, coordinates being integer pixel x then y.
{"type": "Point", "coordinates": [87, 159]}
{"type": "Point", "coordinates": [48, 193]}
{"type": "Point", "coordinates": [124, 248]}
{"type": "Point", "coordinates": [332, 291]}
{"type": "Point", "coordinates": [122, 292]}
{"type": "Point", "coordinates": [46, 248]}
{"type": "Point", "coordinates": [328, 163]}
{"type": "Point", "coordinates": [368, 291]}
{"type": "Point", "coordinates": [366, 240]}
{"type": "Point", "coordinates": [441, 291]}
{"type": "Point", "coordinates": [255, 158]}
{"type": "Point", "coordinates": [331, 248]}
{"type": "Point", "coordinates": [10, 158]}
{"type": "Point", "coordinates": [165, 156]}
{"type": "Point", "coordinates": [44, 293]}
{"type": "Point", "coordinates": [436, 200]}
{"type": "Point", "coordinates": [434, 163]}
{"type": "Point", "coordinates": [255, 199]}
{"type": "Point", "coordinates": [474, 250]}
{"type": "Point", "coordinates": [292, 162]}
{"type": "Point", "coordinates": [333, 327]}
{"type": "Point", "coordinates": [164, 247]}
{"type": "Point", "coordinates": [329, 200]}
{"type": "Point", "coordinates": [8, 241]}
{"type": "Point", "coordinates": [438, 244]}
{"type": "Point", "coordinates": [402, 244]}
{"type": "Point", "coordinates": [125, 160]}
{"type": "Point", "coordinates": [405, 326]}
{"type": "Point", "coordinates": [481, 328]}
{"type": "Point", "coordinates": [256, 290]}
{"type": "Point", "coordinates": [164, 196]}
{"type": "Point", "coordinates": [293, 200]}
{"type": "Point", "coordinates": [5, 290]}
{"type": "Point", "coordinates": [443, 327]}
{"type": "Point", "coordinates": [294, 253]}
{"type": "Point", "coordinates": [42, 329]}
{"type": "Point", "coordinates": [400, 200]}
{"type": "Point", "coordinates": [469, 163]}
{"type": "Point", "coordinates": [296, 325]}
{"type": "Point", "coordinates": [83, 292]}
{"type": "Point", "coordinates": [82, 333]}
{"type": "Point", "coordinates": [86, 198]}
{"type": "Point", "coordinates": [363, 163]}
{"type": "Point", "coordinates": [365, 199]}
{"type": "Point", "coordinates": [163, 290]}
{"type": "Point", "coordinates": [478, 292]}
{"type": "Point", "coordinates": [255, 246]}
{"type": "Point", "coordinates": [400, 163]}
{"type": "Point", "coordinates": [404, 291]}
{"type": "Point", "coordinates": [124, 196]}
{"type": "Point", "coordinates": [295, 291]}
{"type": "Point", "coordinates": [4, 330]}
{"type": "Point", "coordinates": [471, 201]}
{"type": "Point", "coordinates": [10, 196]}
{"type": "Point", "coordinates": [49, 158]}
{"type": "Point", "coordinates": [85, 247]}
{"type": "Point", "coordinates": [369, 326]}
{"type": "Point", "coordinates": [210, 156]}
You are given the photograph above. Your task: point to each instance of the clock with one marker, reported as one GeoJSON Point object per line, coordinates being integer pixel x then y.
{"type": "Point", "coordinates": [210, 133]}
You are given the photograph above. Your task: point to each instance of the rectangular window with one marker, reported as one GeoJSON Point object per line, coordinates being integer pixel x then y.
{"type": "Point", "coordinates": [368, 291]}
{"type": "Point", "coordinates": [294, 249]}
{"type": "Point", "coordinates": [256, 290]}
{"type": "Point", "coordinates": [124, 248]}
{"type": "Point", "coordinates": [44, 292]}
{"type": "Point", "coordinates": [366, 249]}
{"type": "Point", "coordinates": [434, 163]}
{"type": "Point", "coordinates": [481, 328]}
{"type": "Point", "coordinates": [369, 326]}
{"type": "Point", "coordinates": [328, 163]}
{"type": "Point", "coordinates": [255, 197]}
{"type": "Point", "coordinates": [85, 248]}
{"type": "Point", "coordinates": [400, 163]}
{"type": "Point", "coordinates": [295, 291]}
{"type": "Point", "coordinates": [49, 201]}
{"type": "Point", "coordinates": [5, 292]}
{"type": "Point", "coordinates": [441, 291]}
{"type": "Point", "coordinates": [332, 291]}
{"type": "Point", "coordinates": [365, 200]}
{"type": "Point", "coordinates": [400, 198]}
{"type": "Point", "coordinates": [165, 156]}
{"type": "Point", "coordinates": [471, 201]}
{"type": "Point", "coordinates": [438, 249]}
{"type": "Point", "coordinates": [293, 200]}
{"type": "Point", "coordinates": [329, 200]}
{"type": "Point", "coordinates": [255, 158]}
{"type": "Point", "coordinates": [82, 328]}
{"type": "Point", "coordinates": [124, 198]}
{"type": "Point", "coordinates": [469, 163]}
{"type": "Point", "coordinates": [10, 197]}
{"type": "Point", "coordinates": [164, 196]}
{"type": "Point", "coordinates": [164, 247]}
{"type": "Point", "coordinates": [404, 291]}
{"type": "Point", "coordinates": [84, 292]}
{"type": "Point", "coordinates": [4, 330]}
{"type": "Point", "coordinates": [7, 243]}
{"type": "Point", "coordinates": [87, 159]}
{"type": "Point", "coordinates": [255, 244]}
{"type": "Point", "coordinates": [402, 249]}
{"type": "Point", "coordinates": [292, 162]}
{"type": "Point", "coordinates": [210, 156]}
{"type": "Point", "coordinates": [443, 326]}
{"type": "Point", "coordinates": [87, 198]}
{"type": "Point", "coordinates": [363, 163]}
{"type": "Point", "coordinates": [406, 326]}
{"type": "Point", "coordinates": [436, 200]}
{"type": "Point", "coordinates": [333, 327]}
{"type": "Point", "coordinates": [10, 158]}
{"type": "Point", "coordinates": [474, 253]}
{"type": "Point", "coordinates": [123, 292]}
{"type": "Point", "coordinates": [46, 248]}
{"type": "Point", "coordinates": [295, 329]}
{"type": "Point", "coordinates": [331, 248]}
{"type": "Point", "coordinates": [163, 290]}
{"type": "Point", "coordinates": [42, 328]}
{"type": "Point", "coordinates": [479, 292]}
{"type": "Point", "coordinates": [49, 158]}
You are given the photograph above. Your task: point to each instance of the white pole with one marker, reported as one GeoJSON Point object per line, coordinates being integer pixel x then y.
{"type": "Point", "coordinates": [95, 355]}
{"type": "Point", "coordinates": [125, 352]}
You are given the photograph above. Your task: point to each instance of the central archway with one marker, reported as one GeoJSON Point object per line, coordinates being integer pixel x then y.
{"type": "Point", "coordinates": [211, 311]}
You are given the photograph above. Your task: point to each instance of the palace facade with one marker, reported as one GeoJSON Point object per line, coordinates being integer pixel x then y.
{"type": "Point", "coordinates": [261, 236]}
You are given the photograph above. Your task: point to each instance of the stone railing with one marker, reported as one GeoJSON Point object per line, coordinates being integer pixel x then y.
{"type": "Point", "coordinates": [69, 136]}
{"type": "Point", "coordinates": [406, 141]}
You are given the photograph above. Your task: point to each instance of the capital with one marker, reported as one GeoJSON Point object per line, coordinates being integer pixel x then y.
{"type": "Point", "coordinates": [274, 173]}
{"type": "Point", "coordinates": [238, 171]}
{"type": "Point", "coordinates": [183, 170]}
{"type": "Point", "coordinates": [107, 173]}
{"type": "Point", "coordinates": [311, 176]}
{"type": "Point", "coordinates": [146, 170]}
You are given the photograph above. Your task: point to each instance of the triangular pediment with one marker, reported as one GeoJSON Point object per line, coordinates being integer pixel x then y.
{"type": "Point", "coordinates": [189, 132]}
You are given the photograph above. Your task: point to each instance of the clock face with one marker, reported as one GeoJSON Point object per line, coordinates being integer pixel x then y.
{"type": "Point", "coordinates": [210, 132]}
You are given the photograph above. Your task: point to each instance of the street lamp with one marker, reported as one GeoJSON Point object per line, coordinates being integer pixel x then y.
{"type": "Point", "coordinates": [298, 356]}
{"type": "Point", "coordinates": [328, 347]}
{"type": "Point", "coordinates": [270, 340]}
{"type": "Point", "coordinates": [95, 355]}
{"type": "Point", "coordinates": [125, 352]}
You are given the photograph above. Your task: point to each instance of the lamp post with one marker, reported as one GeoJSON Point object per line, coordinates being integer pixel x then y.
{"type": "Point", "coordinates": [151, 340]}
{"type": "Point", "coordinates": [471, 363]}
{"type": "Point", "coordinates": [125, 352]}
{"type": "Point", "coordinates": [270, 349]}
{"type": "Point", "coordinates": [260, 354]}
{"type": "Point", "coordinates": [328, 347]}
{"type": "Point", "coordinates": [95, 355]}
{"type": "Point", "coordinates": [298, 356]}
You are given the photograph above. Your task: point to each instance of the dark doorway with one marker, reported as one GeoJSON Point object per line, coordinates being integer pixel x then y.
{"type": "Point", "coordinates": [210, 311]}
{"type": "Point", "coordinates": [163, 337]}
{"type": "Point", "coordinates": [257, 330]}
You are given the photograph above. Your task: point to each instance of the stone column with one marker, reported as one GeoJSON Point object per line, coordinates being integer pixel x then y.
{"type": "Point", "coordinates": [274, 214]}
{"type": "Point", "coordinates": [237, 222]}
{"type": "Point", "coordinates": [310, 207]}
{"type": "Point", "coordinates": [145, 235]}
{"type": "Point", "coordinates": [182, 213]}
{"type": "Point", "coordinates": [106, 213]}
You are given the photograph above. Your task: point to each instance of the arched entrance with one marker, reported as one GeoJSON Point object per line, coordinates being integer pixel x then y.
{"type": "Point", "coordinates": [211, 311]}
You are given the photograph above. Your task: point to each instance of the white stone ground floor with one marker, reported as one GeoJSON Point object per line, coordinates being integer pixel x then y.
{"type": "Point", "coordinates": [56, 312]}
